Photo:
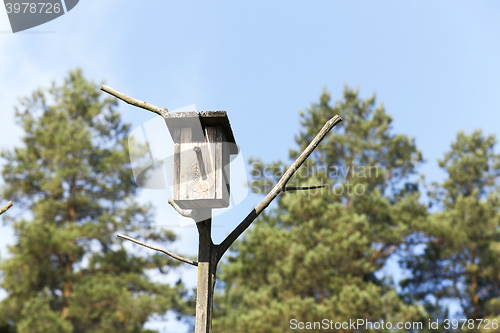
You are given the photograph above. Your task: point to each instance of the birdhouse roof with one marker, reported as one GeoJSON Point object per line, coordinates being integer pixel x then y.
{"type": "Point", "coordinates": [175, 120]}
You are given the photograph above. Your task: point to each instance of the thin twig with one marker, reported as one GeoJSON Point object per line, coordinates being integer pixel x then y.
{"type": "Point", "coordinates": [486, 290]}
{"type": "Point", "coordinates": [294, 188]}
{"type": "Point", "coordinates": [191, 262]}
{"type": "Point", "coordinates": [183, 212]}
{"type": "Point", "coordinates": [224, 246]}
{"type": "Point", "coordinates": [135, 102]}
{"type": "Point", "coordinates": [6, 207]}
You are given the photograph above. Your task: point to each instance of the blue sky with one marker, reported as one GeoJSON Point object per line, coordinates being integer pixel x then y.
{"type": "Point", "coordinates": [434, 65]}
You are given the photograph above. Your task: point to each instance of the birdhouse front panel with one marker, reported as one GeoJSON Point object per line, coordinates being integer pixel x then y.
{"type": "Point", "coordinates": [201, 157]}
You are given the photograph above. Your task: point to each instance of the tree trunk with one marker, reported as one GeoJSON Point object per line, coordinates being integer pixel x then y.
{"type": "Point", "coordinates": [207, 266]}
{"type": "Point", "coordinates": [475, 296]}
{"type": "Point", "coordinates": [68, 285]}
{"type": "Point", "coordinates": [68, 270]}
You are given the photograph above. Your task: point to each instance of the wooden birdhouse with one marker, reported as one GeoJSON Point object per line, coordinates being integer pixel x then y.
{"type": "Point", "coordinates": [203, 142]}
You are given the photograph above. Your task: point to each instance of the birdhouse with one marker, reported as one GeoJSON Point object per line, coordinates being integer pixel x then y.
{"type": "Point", "coordinates": [203, 143]}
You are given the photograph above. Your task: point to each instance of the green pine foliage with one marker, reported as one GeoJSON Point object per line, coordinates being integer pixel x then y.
{"type": "Point", "coordinates": [316, 254]}
{"type": "Point", "coordinates": [461, 261]}
{"type": "Point", "coordinates": [73, 181]}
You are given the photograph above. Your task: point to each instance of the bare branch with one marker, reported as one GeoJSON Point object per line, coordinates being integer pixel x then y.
{"type": "Point", "coordinates": [183, 212]}
{"type": "Point", "coordinates": [294, 188]}
{"type": "Point", "coordinates": [486, 290]}
{"type": "Point", "coordinates": [135, 102]}
{"type": "Point", "coordinates": [194, 263]}
{"type": "Point", "coordinates": [389, 251]}
{"type": "Point", "coordinates": [6, 207]}
{"type": "Point", "coordinates": [222, 247]}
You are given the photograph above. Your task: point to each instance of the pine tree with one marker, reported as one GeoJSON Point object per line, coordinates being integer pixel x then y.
{"type": "Point", "coordinates": [73, 181]}
{"type": "Point", "coordinates": [461, 261]}
{"type": "Point", "coordinates": [317, 254]}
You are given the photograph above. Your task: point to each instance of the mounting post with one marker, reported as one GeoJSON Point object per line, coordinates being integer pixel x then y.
{"type": "Point", "coordinates": [207, 267]}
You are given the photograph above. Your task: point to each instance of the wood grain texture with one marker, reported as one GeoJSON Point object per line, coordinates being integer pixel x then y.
{"type": "Point", "coordinates": [177, 162]}
{"type": "Point", "coordinates": [206, 278]}
{"type": "Point", "coordinates": [192, 184]}
{"type": "Point", "coordinates": [216, 137]}
{"type": "Point", "coordinates": [226, 148]}
{"type": "Point", "coordinates": [200, 175]}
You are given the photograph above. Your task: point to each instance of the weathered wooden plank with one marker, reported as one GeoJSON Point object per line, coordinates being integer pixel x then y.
{"type": "Point", "coordinates": [225, 191]}
{"type": "Point", "coordinates": [185, 162]}
{"type": "Point", "coordinates": [204, 119]}
{"type": "Point", "coordinates": [213, 139]}
{"type": "Point", "coordinates": [195, 185]}
{"type": "Point", "coordinates": [197, 181]}
{"type": "Point", "coordinates": [177, 161]}
{"type": "Point", "coordinates": [205, 188]}
{"type": "Point", "coordinates": [206, 278]}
